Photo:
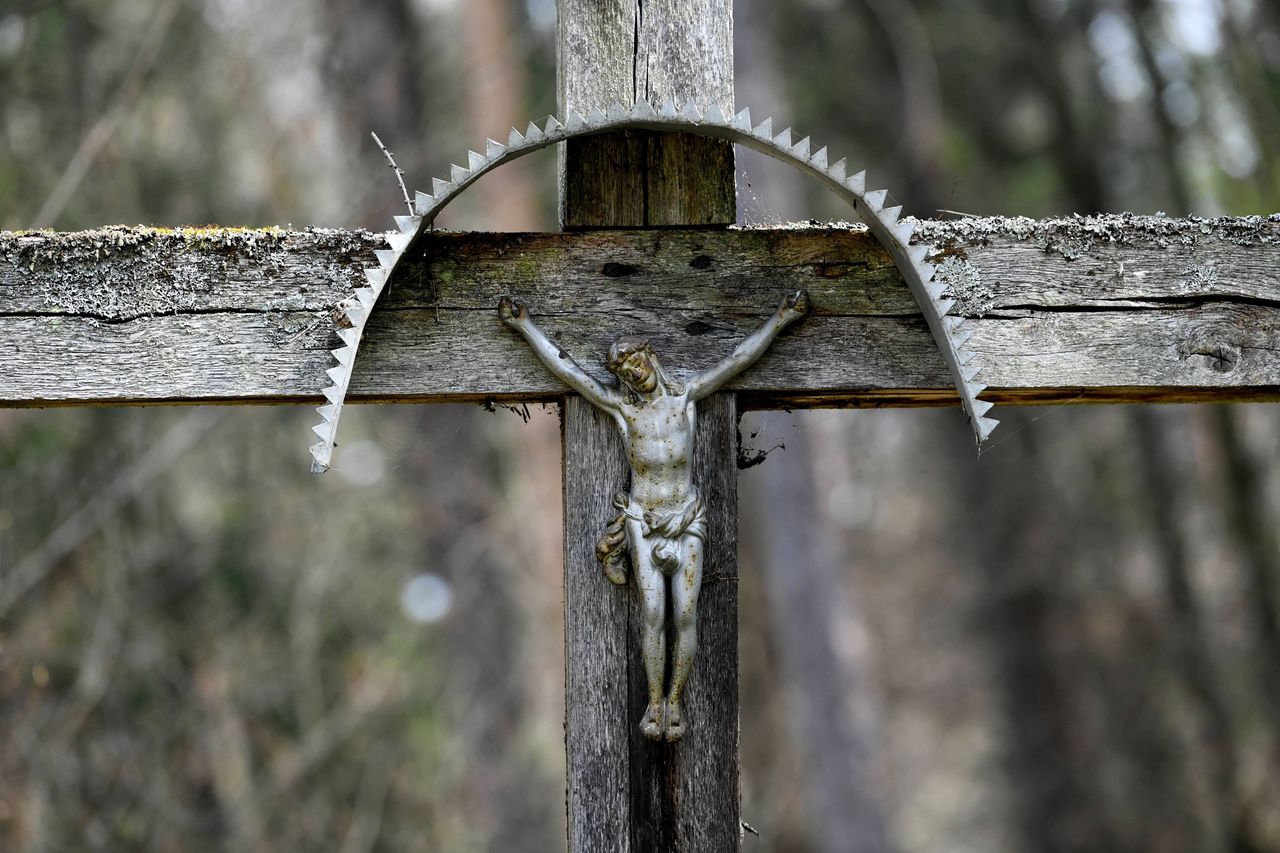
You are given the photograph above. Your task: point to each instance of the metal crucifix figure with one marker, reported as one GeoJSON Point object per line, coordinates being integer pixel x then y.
{"type": "Point", "coordinates": [662, 522]}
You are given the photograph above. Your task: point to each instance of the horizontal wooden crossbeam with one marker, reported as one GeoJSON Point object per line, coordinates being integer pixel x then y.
{"type": "Point", "coordinates": [1115, 309]}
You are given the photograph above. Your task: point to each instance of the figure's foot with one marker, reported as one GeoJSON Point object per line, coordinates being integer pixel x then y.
{"type": "Point", "coordinates": [652, 724]}
{"type": "Point", "coordinates": [675, 722]}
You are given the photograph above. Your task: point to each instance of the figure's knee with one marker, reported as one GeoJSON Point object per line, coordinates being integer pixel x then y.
{"type": "Point", "coordinates": [686, 623]}
{"type": "Point", "coordinates": [654, 618]}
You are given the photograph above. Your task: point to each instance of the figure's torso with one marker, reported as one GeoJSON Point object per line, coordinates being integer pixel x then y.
{"type": "Point", "coordinates": [659, 435]}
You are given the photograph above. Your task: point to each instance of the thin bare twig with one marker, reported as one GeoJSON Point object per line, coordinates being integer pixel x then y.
{"type": "Point", "coordinates": [399, 172]}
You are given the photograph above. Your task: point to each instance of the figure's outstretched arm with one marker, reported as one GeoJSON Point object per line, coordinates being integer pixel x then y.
{"type": "Point", "coordinates": [516, 315]}
{"type": "Point", "coordinates": [793, 307]}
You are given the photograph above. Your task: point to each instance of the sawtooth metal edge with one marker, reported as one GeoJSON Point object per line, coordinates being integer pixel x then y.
{"type": "Point", "coordinates": [895, 235]}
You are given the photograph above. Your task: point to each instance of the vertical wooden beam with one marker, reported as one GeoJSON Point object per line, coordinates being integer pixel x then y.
{"type": "Point", "coordinates": [598, 710]}
{"type": "Point", "coordinates": [626, 793]}
{"type": "Point", "coordinates": [617, 51]}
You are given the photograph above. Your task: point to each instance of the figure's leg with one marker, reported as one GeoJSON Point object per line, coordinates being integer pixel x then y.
{"type": "Point", "coordinates": [685, 587]}
{"type": "Point", "coordinates": [653, 640]}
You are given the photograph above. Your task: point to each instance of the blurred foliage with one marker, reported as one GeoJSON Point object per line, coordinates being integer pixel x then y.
{"type": "Point", "coordinates": [1068, 645]}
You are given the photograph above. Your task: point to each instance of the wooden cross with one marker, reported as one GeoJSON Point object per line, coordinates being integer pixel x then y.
{"type": "Point", "coordinates": [1101, 309]}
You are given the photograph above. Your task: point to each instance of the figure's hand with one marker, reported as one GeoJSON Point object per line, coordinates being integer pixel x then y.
{"type": "Point", "coordinates": [513, 312]}
{"type": "Point", "coordinates": [795, 306]}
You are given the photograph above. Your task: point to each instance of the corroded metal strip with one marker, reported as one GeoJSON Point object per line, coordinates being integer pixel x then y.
{"type": "Point", "coordinates": [894, 234]}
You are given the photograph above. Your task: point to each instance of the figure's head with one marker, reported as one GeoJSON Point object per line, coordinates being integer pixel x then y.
{"type": "Point", "coordinates": [632, 360]}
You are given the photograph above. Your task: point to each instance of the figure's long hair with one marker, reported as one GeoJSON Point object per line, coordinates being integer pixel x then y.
{"type": "Point", "coordinates": [624, 347]}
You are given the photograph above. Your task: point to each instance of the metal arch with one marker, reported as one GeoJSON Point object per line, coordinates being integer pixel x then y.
{"type": "Point", "coordinates": [893, 234]}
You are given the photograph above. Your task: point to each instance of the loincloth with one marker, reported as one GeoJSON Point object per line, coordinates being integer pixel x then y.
{"type": "Point", "coordinates": [664, 529]}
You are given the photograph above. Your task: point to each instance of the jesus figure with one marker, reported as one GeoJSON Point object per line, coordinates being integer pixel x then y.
{"type": "Point", "coordinates": [662, 522]}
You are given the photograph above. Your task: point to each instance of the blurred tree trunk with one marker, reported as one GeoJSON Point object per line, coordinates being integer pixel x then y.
{"type": "Point", "coordinates": [373, 70]}
{"type": "Point", "coordinates": [1244, 43]}
{"type": "Point", "coordinates": [495, 103]}
{"type": "Point", "coordinates": [507, 201]}
{"type": "Point", "coordinates": [1147, 22]}
{"type": "Point", "coordinates": [1164, 481]}
{"type": "Point", "coordinates": [1247, 509]}
{"type": "Point", "coordinates": [1075, 148]}
{"type": "Point", "coordinates": [831, 709]}
{"type": "Point", "coordinates": [1038, 653]}
{"type": "Point", "coordinates": [907, 41]}
{"type": "Point", "coordinates": [827, 701]}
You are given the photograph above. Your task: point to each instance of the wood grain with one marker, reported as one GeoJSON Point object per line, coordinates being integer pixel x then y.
{"type": "Point", "coordinates": [621, 785]}
{"type": "Point", "coordinates": [624, 50]}
{"type": "Point", "coordinates": [683, 796]}
{"type": "Point", "coordinates": [599, 707]}
{"type": "Point", "coordinates": [1090, 310]}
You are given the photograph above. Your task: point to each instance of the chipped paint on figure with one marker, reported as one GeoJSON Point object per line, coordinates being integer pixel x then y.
{"type": "Point", "coordinates": [662, 521]}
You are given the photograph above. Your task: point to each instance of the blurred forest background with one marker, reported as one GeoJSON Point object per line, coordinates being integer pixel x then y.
{"type": "Point", "coordinates": [1072, 644]}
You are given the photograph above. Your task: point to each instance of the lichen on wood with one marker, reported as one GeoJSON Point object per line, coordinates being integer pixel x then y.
{"type": "Point", "coordinates": [121, 273]}
{"type": "Point", "coordinates": [1128, 312]}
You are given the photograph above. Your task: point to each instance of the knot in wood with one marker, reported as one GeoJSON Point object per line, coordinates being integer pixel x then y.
{"type": "Point", "coordinates": [1210, 346]}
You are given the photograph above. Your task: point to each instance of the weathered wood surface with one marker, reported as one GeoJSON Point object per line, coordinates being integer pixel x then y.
{"type": "Point", "coordinates": [622, 787]}
{"type": "Point", "coordinates": [621, 50]}
{"type": "Point", "coordinates": [600, 707]}
{"type": "Point", "coordinates": [680, 797]}
{"type": "Point", "coordinates": [1091, 309]}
